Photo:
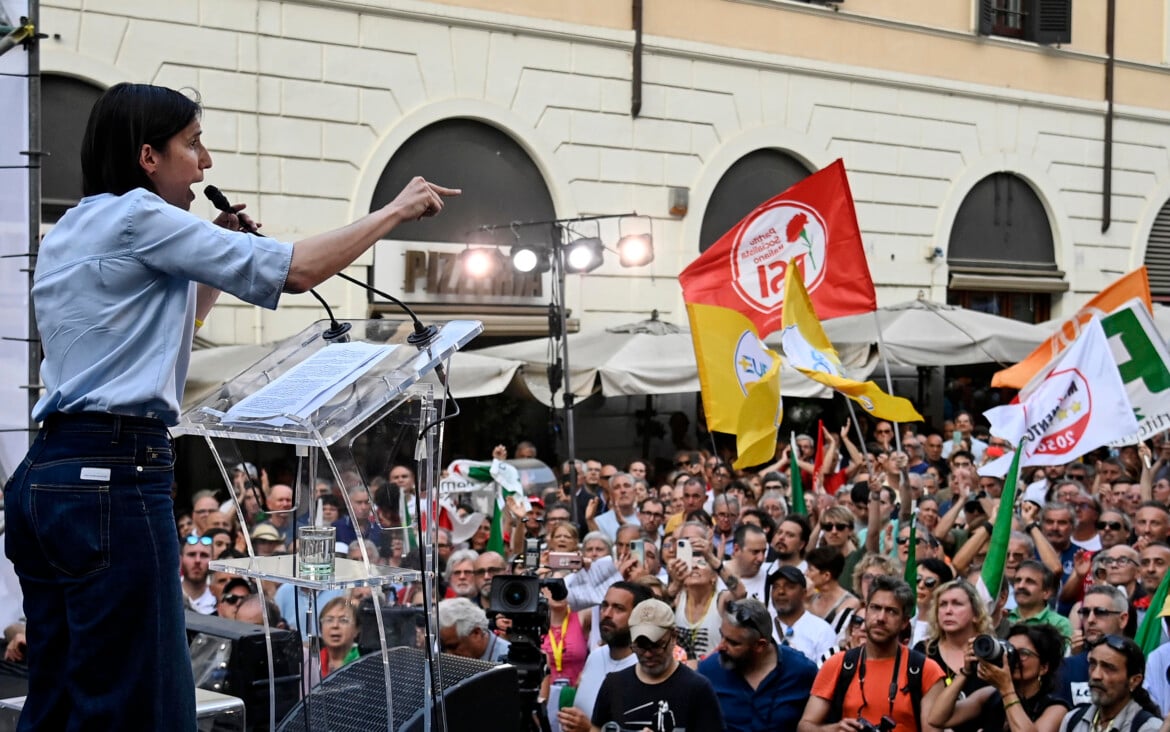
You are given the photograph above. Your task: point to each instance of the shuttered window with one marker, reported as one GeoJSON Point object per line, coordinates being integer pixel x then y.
{"type": "Point", "coordinates": [1158, 256]}
{"type": "Point", "coordinates": [1042, 21]}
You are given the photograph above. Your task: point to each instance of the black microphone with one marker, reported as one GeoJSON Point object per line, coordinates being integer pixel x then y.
{"type": "Point", "coordinates": [220, 202]}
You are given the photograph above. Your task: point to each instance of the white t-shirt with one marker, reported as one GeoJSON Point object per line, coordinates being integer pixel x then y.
{"type": "Point", "coordinates": [754, 586]}
{"type": "Point", "coordinates": [598, 665]}
{"type": "Point", "coordinates": [205, 603]}
{"type": "Point", "coordinates": [1092, 544]}
{"type": "Point", "coordinates": [811, 636]}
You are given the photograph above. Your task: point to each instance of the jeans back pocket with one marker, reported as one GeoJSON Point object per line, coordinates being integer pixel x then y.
{"type": "Point", "coordinates": [72, 526]}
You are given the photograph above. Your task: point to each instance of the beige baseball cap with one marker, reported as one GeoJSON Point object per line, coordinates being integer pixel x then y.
{"type": "Point", "coordinates": [651, 619]}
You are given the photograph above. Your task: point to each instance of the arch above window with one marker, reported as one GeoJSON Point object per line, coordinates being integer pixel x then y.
{"type": "Point", "coordinates": [1157, 259]}
{"type": "Point", "coordinates": [500, 181]}
{"type": "Point", "coordinates": [751, 180]}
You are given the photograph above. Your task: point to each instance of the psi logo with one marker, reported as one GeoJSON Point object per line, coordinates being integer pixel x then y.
{"type": "Point", "coordinates": [764, 245]}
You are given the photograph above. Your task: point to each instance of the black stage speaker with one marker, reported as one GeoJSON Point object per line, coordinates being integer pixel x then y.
{"type": "Point", "coordinates": [401, 624]}
{"type": "Point", "coordinates": [235, 662]}
{"type": "Point", "coordinates": [479, 696]}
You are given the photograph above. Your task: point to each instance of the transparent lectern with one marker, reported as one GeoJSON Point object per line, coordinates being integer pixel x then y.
{"type": "Point", "coordinates": [343, 409]}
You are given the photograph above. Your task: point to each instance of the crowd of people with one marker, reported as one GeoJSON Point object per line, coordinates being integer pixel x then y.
{"type": "Point", "coordinates": [703, 599]}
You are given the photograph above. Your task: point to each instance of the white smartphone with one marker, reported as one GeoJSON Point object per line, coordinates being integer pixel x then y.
{"type": "Point", "coordinates": [683, 551]}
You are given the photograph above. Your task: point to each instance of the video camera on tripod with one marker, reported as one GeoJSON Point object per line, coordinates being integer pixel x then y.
{"type": "Point", "coordinates": [519, 598]}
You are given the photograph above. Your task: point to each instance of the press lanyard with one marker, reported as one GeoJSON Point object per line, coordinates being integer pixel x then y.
{"type": "Point", "coordinates": [558, 649]}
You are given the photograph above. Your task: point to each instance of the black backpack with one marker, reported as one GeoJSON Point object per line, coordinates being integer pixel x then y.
{"type": "Point", "coordinates": [916, 660]}
{"type": "Point", "coordinates": [1135, 724]}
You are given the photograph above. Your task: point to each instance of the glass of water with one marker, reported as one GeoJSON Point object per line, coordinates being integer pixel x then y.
{"type": "Point", "coordinates": [316, 546]}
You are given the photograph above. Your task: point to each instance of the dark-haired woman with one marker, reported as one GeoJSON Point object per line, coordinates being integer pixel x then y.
{"type": "Point", "coordinates": [122, 282]}
{"type": "Point", "coordinates": [1022, 689]}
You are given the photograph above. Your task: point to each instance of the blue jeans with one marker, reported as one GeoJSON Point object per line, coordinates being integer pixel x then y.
{"type": "Point", "coordinates": [92, 536]}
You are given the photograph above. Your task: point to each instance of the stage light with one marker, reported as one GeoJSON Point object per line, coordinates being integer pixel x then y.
{"type": "Point", "coordinates": [635, 250]}
{"type": "Point", "coordinates": [526, 258]}
{"type": "Point", "coordinates": [584, 255]}
{"type": "Point", "coordinates": [479, 262]}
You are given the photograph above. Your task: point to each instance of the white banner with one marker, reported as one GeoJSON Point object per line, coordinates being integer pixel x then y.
{"type": "Point", "coordinates": [1142, 360]}
{"type": "Point", "coordinates": [1076, 404]}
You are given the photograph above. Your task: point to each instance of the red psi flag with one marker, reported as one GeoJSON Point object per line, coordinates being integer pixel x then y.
{"type": "Point", "coordinates": [812, 223]}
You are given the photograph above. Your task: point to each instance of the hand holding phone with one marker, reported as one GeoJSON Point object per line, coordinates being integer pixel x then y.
{"type": "Point", "coordinates": [638, 550]}
{"type": "Point", "coordinates": [684, 552]}
{"type": "Point", "coordinates": [564, 560]}
{"type": "Point", "coordinates": [957, 439]}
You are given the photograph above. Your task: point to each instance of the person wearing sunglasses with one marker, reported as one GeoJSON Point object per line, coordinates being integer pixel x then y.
{"type": "Point", "coordinates": [196, 553]}
{"type": "Point", "coordinates": [1104, 611]}
{"type": "Point", "coordinates": [235, 591]}
{"type": "Point", "coordinates": [761, 686]}
{"type": "Point", "coordinates": [931, 574]}
{"type": "Point", "coordinates": [659, 692]}
{"type": "Point", "coordinates": [1016, 694]}
{"type": "Point", "coordinates": [1117, 668]}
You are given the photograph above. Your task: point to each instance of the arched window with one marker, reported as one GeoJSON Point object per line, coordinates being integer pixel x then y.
{"type": "Point", "coordinates": [499, 180]}
{"type": "Point", "coordinates": [65, 105]}
{"type": "Point", "coordinates": [1158, 256]}
{"type": "Point", "coordinates": [1000, 255]}
{"type": "Point", "coordinates": [753, 179]}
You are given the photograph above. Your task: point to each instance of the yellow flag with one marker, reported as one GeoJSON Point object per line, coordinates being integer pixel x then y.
{"type": "Point", "coordinates": [809, 351]}
{"type": "Point", "coordinates": [740, 380]}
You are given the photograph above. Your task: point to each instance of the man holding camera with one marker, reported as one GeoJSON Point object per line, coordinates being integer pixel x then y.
{"type": "Point", "coordinates": [659, 693]}
{"type": "Point", "coordinates": [862, 690]}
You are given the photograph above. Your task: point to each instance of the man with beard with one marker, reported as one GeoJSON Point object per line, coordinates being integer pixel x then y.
{"type": "Point", "coordinates": [874, 676]}
{"type": "Point", "coordinates": [461, 574]}
{"type": "Point", "coordinates": [615, 655]}
{"type": "Point", "coordinates": [793, 625]}
{"type": "Point", "coordinates": [659, 693]}
{"type": "Point", "coordinates": [1103, 612]}
{"type": "Point", "coordinates": [760, 686]}
{"type": "Point", "coordinates": [790, 541]}
{"type": "Point", "coordinates": [1116, 670]}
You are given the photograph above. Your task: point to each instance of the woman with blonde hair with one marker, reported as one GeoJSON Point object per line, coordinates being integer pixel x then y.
{"type": "Point", "coordinates": [563, 537]}
{"type": "Point", "coordinates": [955, 617]}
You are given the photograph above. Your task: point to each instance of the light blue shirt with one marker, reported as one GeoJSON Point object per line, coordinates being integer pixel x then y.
{"type": "Point", "coordinates": [114, 292]}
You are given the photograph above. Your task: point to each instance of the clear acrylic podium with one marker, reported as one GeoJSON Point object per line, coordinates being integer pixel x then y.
{"type": "Point", "coordinates": [388, 414]}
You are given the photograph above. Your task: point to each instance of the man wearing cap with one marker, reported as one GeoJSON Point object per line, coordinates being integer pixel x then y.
{"type": "Point", "coordinates": [266, 540]}
{"type": "Point", "coordinates": [620, 600]}
{"type": "Point", "coordinates": [760, 686]}
{"type": "Point", "coordinates": [792, 624]}
{"type": "Point", "coordinates": [235, 591]}
{"type": "Point", "coordinates": [658, 693]}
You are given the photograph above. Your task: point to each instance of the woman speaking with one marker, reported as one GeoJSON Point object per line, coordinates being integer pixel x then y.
{"type": "Point", "coordinates": [122, 282]}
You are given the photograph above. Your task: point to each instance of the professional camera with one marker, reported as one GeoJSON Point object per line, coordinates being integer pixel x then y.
{"type": "Point", "coordinates": [519, 598]}
{"type": "Point", "coordinates": [887, 725]}
{"type": "Point", "coordinates": [992, 649]}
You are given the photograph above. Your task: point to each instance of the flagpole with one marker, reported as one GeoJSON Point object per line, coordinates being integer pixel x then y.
{"type": "Point", "coordinates": [886, 366]}
{"type": "Point", "coordinates": [860, 435]}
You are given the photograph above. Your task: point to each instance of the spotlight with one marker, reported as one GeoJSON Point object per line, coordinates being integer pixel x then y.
{"type": "Point", "coordinates": [526, 258]}
{"type": "Point", "coordinates": [635, 250]}
{"type": "Point", "coordinates": [479, 262]}
{"type": "Point", "coordinates": [584, 255]}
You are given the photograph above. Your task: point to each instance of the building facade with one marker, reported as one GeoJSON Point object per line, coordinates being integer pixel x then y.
{"type": "Point", "coordinates": [999, 159]}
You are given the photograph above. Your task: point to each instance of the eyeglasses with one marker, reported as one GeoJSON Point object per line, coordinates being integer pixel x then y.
{"type": "Point", "coordinates": [904, 540]}
{"type": "Point", "coordinates": [336, 620]}
{"type": "Point", "coordinates": [838, 527]}
{"type": "Point", "coordinates": [462, 572]}
{"type": "Point", "coordinates": [1083, 505]}
{"type": "Point", "coordinates": [928, 582]}
{"type": "Point", "coordinates": [869, 577]}
{"type": "Point", "coordinates": [883, 432]}
{"type": "Point", "coordinates": [1100, 612]}
{"type": "Point", "coordinates": [646, 646]}
{"type": "Point", "coordinates": [1110, 525]}
{"type": "Point", "coordinates": [857, 620]}
{"type": "Point", "coordinates": [233, 599]}
{"type": "Point", "coordinates": [488, 571]}
{"type": "Point", "coordinates": [682, 463]}
{"type": "Point", "coordinates": [192, 540]}
{"type": "Point", "coordinates": [1117, 561]}
{"type": "Point", "coordinates": [1027, 653]}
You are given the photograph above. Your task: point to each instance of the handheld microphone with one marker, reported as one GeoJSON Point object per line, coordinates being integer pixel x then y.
{"type": "Point", "coordinates": [220, 202]}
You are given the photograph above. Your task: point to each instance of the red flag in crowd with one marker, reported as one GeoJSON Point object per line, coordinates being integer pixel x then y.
{"type": "Point", "coordinates": [814, 224]}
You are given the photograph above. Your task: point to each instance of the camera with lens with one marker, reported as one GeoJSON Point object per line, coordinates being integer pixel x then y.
{"type": "Point", "coordinates": [992, 649]}
{"type": "Point", "coordinates": [886, 725]}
